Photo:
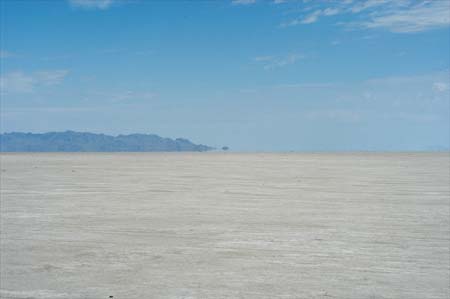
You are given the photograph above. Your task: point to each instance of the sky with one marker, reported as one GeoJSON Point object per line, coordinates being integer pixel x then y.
{"type": "Point", "coordinates": [252, 75]}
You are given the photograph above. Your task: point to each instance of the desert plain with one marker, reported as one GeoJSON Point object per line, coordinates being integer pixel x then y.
{"type": "Point", "coordinates": [225, 225]}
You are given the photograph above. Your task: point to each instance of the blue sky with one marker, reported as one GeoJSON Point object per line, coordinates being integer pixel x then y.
{"type": "Point", "coordinates": [253, 75]}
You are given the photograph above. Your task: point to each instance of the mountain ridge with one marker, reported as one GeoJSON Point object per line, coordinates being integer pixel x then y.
{"type": "Point", "coordinates": [72, 141]}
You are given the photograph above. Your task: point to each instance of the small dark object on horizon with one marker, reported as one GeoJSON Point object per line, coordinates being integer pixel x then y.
{"type": "Point", "coordinates": [225, 148]}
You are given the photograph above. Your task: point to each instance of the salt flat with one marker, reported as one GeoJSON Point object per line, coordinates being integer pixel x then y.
{"type": "Point", "coordinates": [213, 225]}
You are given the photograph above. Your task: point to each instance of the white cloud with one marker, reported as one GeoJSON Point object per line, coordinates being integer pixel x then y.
{"type": "Point", "coordinates": [424, 90]}
{"type": "Point", "coordinates": [6, 54]}
{"type": "Point", "coordinates": [19, 82]}
{"type": "Point", "coordinates": [248, 90]}
{"type": "Point", "coordinates": [306, 85]}
{"type": "Point", "coordinates": [132, 95]}
{"type": "Point", "coordinates": [92, 4]}
{"type": "Point", "coordinates": [290, 23]}
{"type": "Point", "coordinates": [440, 86]}
{"type": "Point", "coordinates": [263, 58]}
{"type": "Point", "coordinates": [16, 82]}
{"type": "Point", "coordinates": [414, 117]}
{"type": "Point", "coordinates": [51, 77]}
{"type": "Point", "coordinates": [425, 16]}
{"type": "Point", "coordinates": [273, 62]}
{"type": "Point", "coordinates": [363, 5]}
{"type": "Point", "coordinates": [335, 42]}
{"type": "Point", "coordinates": [284, 61]}
{"type": "Point", "coordinates": [311, 18]}
{"type": "Point", "coordinates": [330, 11]}
{"type": "Point", "coordinates": [398, 81]}
{"type": "Point", "coordinates": [120, 96]}
{"type": "Point", "coordinates": [243, 2]}
{"type": "Point", "coordinates": [401, 16]}
{"type": "Point", "coordinates": [404, 92]}
{"type": "Point", "coordinates": [341, 115]}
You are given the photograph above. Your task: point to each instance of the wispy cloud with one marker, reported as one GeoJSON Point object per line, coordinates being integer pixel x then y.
{"type": "Point", "coordinates": [19, 82]}
{"type": "Point", "coordinates": [363, 5]}
{"type": "Point", "coordinates": [58, 57]}
{"type": "Point", "coordinates": [341, 115]}
{"type": "Point", "coordinates": [50, 77]}
{"type": "Point", "coordinates": [425, 16]}
{"type": "Point", "coordinates": [273, 62]}
{"type": "Point", "coordinates": [16, 82]}
{"type": "Point", "coordinates": [440, 86]}
{"type": "Point", "coordinates": [121, 96]}
{"type": "Point", "coordinates": [243, 2]}
{"type": "Point", "coordinates": [401, 16]}
{"type": "Point", "coordinates": [335, 42]}
{"type": "Point", "coordinates": [133, 95]}
{"type": "Point", "coordinates": [263, 58]}
{"type": "Point", "coordinates": [6, 54]}
{"type": "Point", "coordinates": [92, 4]}
{"type": "Point", "coordinates": [330, 11]}
{"type": "Point", "coordinates": [307, 85]}
{"type": "Point", "coordinates": [313, 17]}
{"type": "Point", "coordinates": [410, 91]}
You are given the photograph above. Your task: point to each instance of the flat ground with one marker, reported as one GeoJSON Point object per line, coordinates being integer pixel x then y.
{"type": "Point", "coordinates": [212, 225]}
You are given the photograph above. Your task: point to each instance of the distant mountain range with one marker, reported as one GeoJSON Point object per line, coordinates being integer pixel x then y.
{"type": "Point", "coordinates": [70, 141]}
